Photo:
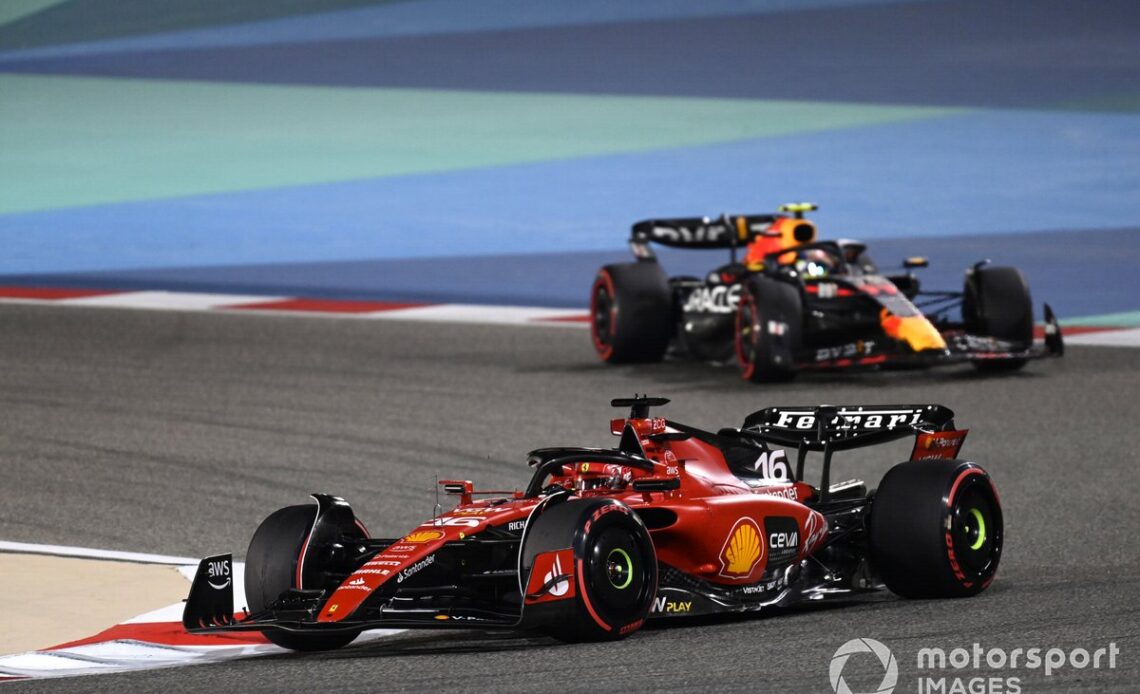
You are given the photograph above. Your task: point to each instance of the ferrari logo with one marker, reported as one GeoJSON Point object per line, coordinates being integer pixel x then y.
{"type": "Point", "coordinates": [743, 549]}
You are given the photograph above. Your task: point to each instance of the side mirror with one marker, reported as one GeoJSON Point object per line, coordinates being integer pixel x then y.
{"type": "Point", "coordinates": [916, 262]}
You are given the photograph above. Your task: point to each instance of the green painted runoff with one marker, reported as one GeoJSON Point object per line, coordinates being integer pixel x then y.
{"type": "Point", "coordinates": [75, 141]}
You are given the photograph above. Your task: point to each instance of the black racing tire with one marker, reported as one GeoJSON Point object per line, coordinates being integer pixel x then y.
{"type": "Point", "coordinates": [768, 331]}
{"type": "Point", "coordinates": [271, 569]}
{"type": "Point", "coordinates": [936, 529]}
{"type": "Point", "coordinates": [631, 313]}
{"type": "Point", "coordinates": [996, 303]}
{"type": "Point", "coordinates": [615, 570]}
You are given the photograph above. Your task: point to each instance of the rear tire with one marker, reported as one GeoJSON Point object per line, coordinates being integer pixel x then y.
{"type": "Point", "coordinates": [996, 303]}
{"type": "Point", "coordinates": [615, 570]}
{"type": "Point", "coordinates": [769, 322]}
{"type": "Point", "coordinates": [271, 569]}
{"type": "Point", "coordinates": [631, 313]}
{"type": "Point", "coordinates": [936, 529]}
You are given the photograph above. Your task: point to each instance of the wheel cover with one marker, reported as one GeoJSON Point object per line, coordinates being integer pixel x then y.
{"type": "Point", "coordinates": [619, 568]}
{"type": "Point", "coordinates": [617, 573]}
{"type": "Point", "coordinates": [975, 528]}
{"type": "Point", "coordinates": [978, 528]}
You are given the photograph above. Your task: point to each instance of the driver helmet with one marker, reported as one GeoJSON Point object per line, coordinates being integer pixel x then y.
{"type": "Point", "coordinates": [598, 475]}
{"type": "Point", "coordinates": [815, 262]}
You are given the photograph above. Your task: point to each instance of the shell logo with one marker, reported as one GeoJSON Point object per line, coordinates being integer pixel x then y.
{"type": "Point", "coordinates": [743, 549]}
{"type": "Point", "coordinates": [424, 536]}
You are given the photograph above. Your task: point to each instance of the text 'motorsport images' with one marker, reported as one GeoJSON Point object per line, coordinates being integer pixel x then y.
{"type": "Point", "coordinates": [794, 302]}
{"type": "Point", "coordinates": [674, 521]}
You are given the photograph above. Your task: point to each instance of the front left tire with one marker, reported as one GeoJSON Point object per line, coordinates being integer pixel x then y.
{"type": "Point", "coordinates": [271, 569]}
{"type": "Point", "coordinates": [996, 303]}
{"type": "Point", "coordinates": [769, 325]}
{"type": "Point", "coordinates": [615, 570]}
{"type": "Point", "coordinates": [631, 313]}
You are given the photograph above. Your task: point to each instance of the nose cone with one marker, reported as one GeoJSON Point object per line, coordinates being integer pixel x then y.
{"type": "Point", "coordinates": [915, 331]}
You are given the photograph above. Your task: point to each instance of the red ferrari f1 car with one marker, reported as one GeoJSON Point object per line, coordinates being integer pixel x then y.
{"type": "Point", "coordinates": [674, 521]}
{"type": "Point", "coordinates": [794, 302]}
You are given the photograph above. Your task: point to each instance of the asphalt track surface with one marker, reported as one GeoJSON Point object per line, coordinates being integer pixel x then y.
{"type": "Point", "coordinates": [176, 433]}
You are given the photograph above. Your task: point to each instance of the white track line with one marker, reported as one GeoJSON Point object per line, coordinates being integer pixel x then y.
{"type": "Point", "coordinates": [491, 315]}
{"type": "Point", "coordinates": [1107, 338]}
{"type": "Point", "coordinates": [238, 303]}
{"type": "Point", "coordinates": [85, 552]}
{"type": "Point", "coordinates": [441, 313]}
{"type": "Point", "coordinates": [167, 301]}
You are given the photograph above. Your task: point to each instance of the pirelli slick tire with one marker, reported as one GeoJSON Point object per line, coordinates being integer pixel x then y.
{"type": "Point", "coordinates": [614, 571]}
{"type": "Point", "coordinates": [996, 303]}
{"type": "Point", "coordinates": [769, 324]}
{"type": "Point", "coordinates": [271, 569]}
{"type": "Point", "coordinates": [936, 529]}
{"type": "Point", "coordinates": [631, 313]}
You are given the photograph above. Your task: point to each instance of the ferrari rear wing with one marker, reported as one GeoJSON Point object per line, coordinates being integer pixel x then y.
{"type": "Point", "coordinates": [830, 428]}
{"type": "Point", "coordinates": [841, 427]}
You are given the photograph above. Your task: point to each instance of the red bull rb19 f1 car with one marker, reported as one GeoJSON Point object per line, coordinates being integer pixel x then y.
{"type": "Point", "coordinates": [674, 521]}
{"type": "Point", "coordinates": [794, 303]}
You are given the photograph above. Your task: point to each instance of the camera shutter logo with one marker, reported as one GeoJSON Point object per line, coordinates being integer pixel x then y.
{"type": "Point", "coordinates": [879, 650]}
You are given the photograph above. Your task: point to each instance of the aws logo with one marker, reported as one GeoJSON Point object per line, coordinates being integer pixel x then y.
{"type": "Point", "coordinates": [743, 550]}
{"type": "Point", "coordinates": [218, 575]}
